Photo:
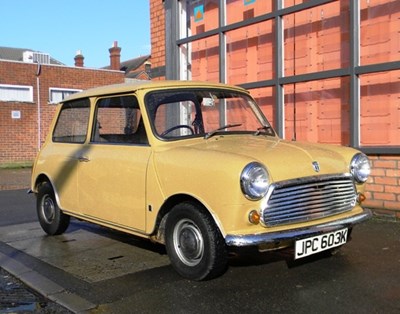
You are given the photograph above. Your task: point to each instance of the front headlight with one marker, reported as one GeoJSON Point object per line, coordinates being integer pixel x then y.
{"type": "Point", "coordinates": [254, 181]}
{"type": "Point", "coordinates": [360, 167]}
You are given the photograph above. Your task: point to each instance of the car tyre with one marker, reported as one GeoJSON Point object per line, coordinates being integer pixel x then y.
{"type": "Point", "coordinates": [51, 218]}
{"type": "Point", "coordinates": [194, 244]}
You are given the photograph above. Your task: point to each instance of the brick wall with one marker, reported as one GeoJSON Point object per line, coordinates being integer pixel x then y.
{"type": "Point", "coordinates": [157, 32]}
{"type": "Point", "coordinates": [19, 137]}
{"type": "Point", "coordinates": [383, 190]}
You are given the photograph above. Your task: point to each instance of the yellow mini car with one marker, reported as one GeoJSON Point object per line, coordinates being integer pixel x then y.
{"type": "Point", "coordinates": [195, 166]}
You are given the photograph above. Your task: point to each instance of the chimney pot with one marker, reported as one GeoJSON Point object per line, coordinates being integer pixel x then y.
{"type": "Point", "coordinates": [79, 59]}
{"type": "Point", "coordinates": [115, 56]}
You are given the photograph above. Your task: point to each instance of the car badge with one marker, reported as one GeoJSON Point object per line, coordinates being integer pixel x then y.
{"type": "Point", "coordinates": [315, 165]}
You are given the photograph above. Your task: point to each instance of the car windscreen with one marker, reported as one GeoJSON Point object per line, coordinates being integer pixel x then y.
{"type": "Point", "coordinates": [204, 112]}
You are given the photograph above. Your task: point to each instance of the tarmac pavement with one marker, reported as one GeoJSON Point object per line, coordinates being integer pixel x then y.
{"type": "Point", "coordinates": [90, 269]}
{"type": "Point", "coordinates": [15, 179]}
{"type": "Point", "coordinates": [16, 296]}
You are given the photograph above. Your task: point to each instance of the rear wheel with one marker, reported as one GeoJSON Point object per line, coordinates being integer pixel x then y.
{"type": "Point", "coordinates": [51, 218]}
{"type": "Point", "coordinates": [194, 244]}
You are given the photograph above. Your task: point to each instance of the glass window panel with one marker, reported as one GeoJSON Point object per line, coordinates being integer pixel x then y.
{"type": "Point", "coordinates": [202, 16]}
{"type": "Point", "coordinates": [59, 94]}
{"type": "Point", "coordinates": [72, 123]}
{"type": "Point", "coordinates": [240, 10]}
{"type": "Point", "coordinates": [318, 111]}
{"type": "Point", "coordinates": [250, 53]}
{"type": "Point", "coordinates": [16, 93]}
{"type": "Point", "coordinates": [380, 109]}
{"type": "Point", "coordinates": [199, 111]}
{"type": "Point", "coordinates": [379, 31]}
{"type": "Point", "coordinates": [202, 60]}
{"type": "Point", "coordinates": [118, 120]}
{"type": "Point", "coordinates": [265, 98]}
{"type": "Point", "coordinates": [317, 39]}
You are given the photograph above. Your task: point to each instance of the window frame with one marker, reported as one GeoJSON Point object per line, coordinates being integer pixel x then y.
{"type": "Point", "coordinates": [27, 88]}
{"type": "Point", "coordinates": [73, 104]}
{"type": "Point", "coordinates": [136, 138]}
{"type": "Point", "coordinates": [60, 89]}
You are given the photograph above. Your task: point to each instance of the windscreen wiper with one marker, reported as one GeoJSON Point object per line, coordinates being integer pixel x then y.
{"type": "Point", "coordinates": [262, 128]}
{"type": "Point", "coordinates": [211, 133]}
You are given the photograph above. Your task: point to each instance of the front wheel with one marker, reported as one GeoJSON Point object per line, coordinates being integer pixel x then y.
{"type": "Point", "coordinates": [194, 244]}
{"type": "Point", "coordinates": [51, 218]}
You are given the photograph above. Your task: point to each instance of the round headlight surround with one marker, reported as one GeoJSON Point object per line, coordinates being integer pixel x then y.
{"type": "Point", "coordinates": [360, 167]}
{"type": "Point", "coordinates": [254, 181]}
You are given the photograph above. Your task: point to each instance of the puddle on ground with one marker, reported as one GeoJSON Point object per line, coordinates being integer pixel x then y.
{"type": "Point", "coordinates": [22, 307]}
{"type": "Point", "coordinates": [16, 298]}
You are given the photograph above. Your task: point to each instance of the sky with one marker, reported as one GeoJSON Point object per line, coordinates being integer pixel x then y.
{"type": "Point", "coordinates": [62, 27]}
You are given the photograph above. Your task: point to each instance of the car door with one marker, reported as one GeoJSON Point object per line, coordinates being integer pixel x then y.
{"type": "Point", "coordinates": [62, 156]}
{"type": "Point", "coordinates": [112, 175]}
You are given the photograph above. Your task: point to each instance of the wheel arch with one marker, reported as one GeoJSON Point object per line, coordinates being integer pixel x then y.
{"type": "Point", "coordinates": [41, 179]}
{"type": "Point", "coordinates": [159, 234]}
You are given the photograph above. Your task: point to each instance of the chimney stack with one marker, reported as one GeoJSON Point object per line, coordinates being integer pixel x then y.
{"type": "Point", "coordinates": [79, 59]}
{"type": "Point", "coordinates": [115, 55]}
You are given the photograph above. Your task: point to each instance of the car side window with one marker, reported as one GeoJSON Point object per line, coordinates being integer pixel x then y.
{"type": "Point", "coordinates": [118, 120]}
{"type": "Point", "coordinates": [72, 122]}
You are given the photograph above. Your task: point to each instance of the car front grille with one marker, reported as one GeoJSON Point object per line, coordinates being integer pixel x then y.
{"type": "Point", "coordinates": [308, 198]}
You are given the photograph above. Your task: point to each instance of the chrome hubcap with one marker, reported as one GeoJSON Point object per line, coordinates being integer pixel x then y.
{"type": "Point", "coordinates": [48, 209]}
{"type": "Point", "coordinates": [188, 242]}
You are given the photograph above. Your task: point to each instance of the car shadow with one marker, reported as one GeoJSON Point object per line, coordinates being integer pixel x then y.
{"type": "Point", "coordinates": [76, 225]}
{"type": "Point", "coordinates": [251, 256]}
{"type": "Point", "coordinates": [238, 257]}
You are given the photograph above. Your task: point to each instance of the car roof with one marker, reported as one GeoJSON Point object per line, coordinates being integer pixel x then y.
{"type": "Point", "coordinates": [133, 86]}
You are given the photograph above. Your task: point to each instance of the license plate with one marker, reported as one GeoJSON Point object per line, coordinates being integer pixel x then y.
{"type": "Point", "coordinates": [309, 246]}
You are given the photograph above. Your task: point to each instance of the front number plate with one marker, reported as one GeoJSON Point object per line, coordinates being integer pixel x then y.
{"type": "Point", "coordinates": [309, 246]}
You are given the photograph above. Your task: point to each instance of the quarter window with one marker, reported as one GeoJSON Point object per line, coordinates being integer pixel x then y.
{"type": "Point", "coordinates": [72, 123]}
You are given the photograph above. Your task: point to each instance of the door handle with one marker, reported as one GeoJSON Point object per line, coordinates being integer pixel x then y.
{"type": "Point", "coordinates": [83, 159]}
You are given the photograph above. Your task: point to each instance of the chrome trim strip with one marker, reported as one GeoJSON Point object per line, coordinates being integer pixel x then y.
{"type": "Point", "coordinates": [295, 234]}
{"type": "Point", "coordinates": [316, 178]}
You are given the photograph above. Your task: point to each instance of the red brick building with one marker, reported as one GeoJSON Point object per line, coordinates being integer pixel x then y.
{"type": "Point", "coordinates": [28, 93]}
{"type": "Point", "coordinates": [157, 32]}
{"type": "Point", "coordinates": [322, 71]}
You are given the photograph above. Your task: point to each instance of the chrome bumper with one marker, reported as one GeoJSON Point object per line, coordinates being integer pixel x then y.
{"type": "Point", "coordinates": [295, 234]}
